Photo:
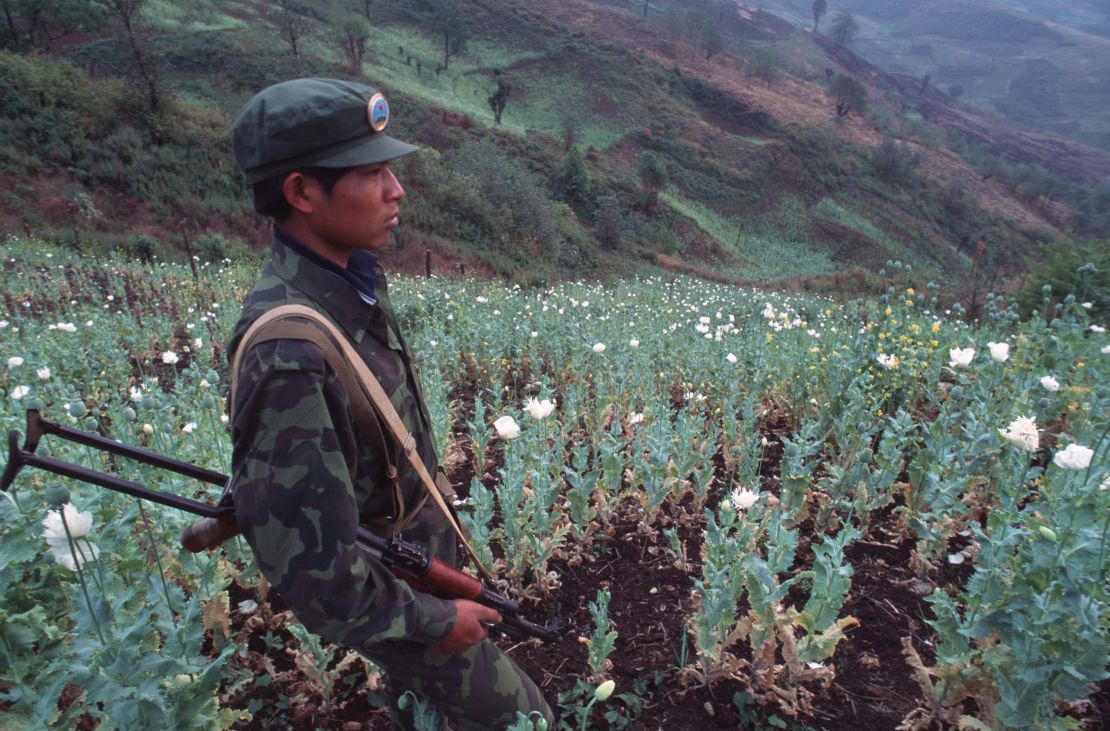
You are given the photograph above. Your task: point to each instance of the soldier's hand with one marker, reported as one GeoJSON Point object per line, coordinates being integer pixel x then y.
{"type": "Point", "coordinates": [472, 624]}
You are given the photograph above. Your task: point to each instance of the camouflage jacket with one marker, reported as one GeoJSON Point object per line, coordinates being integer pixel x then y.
{"type": "Point", "coordinates": [302, 480]}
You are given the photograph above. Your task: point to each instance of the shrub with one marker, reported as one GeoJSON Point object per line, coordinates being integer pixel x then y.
{"type": "Point", "coordinates": [1081, 268]}
{"type": "Point", "coordinates": [98, 133]}
{"type": "Point", "coordinates": [894, 163]}
{"type": "Point", "coordinates": [141, 246]}
{"type": "Point", "coordinates": [609, 221]}
{"type": "Point", "coordinates": [763, 64]}
{"type": "Point", "coordinates": [848, 95]}
{"type": "Point", "coordinates": [574, 180]}
{"type": "Point", "coordinates": [214, 247]}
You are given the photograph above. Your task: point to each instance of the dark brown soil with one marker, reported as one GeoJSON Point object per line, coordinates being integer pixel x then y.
{"type": "Point", "coordinates": [651, 598]}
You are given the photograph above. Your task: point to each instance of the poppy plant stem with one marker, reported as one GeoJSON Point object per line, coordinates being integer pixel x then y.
{"type": "Point", "coordinates": [978, 610]}
{"type": "Point", "coordinates": [157, 556]}
{"type": "Point", "coordinates": [81, 577]}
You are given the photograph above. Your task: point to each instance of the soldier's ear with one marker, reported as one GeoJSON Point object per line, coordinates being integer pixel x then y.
{"type": "Point", "coordinates": [301, 192]}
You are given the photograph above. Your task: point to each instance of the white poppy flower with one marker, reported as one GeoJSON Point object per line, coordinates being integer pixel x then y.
{"type": "Point", "coordinates": [1022, 433]}
{"type": "Point", "coordinates": [85, 550]}
{"type": "Point", "coordinates": [507, 428]}
{"type": "Point", "coordinates": [80, 523]}
{"type": "Point", "coordinates": [539, 409]}
{"type": "Point", "coordinates": [1050, 384]}
{"type": "Point", "coordinates": [1000, 352]}
{"type": "Point", "coordinates": [20, 391]}
{"type": "Point", "coordinates": [960, 356]}
{"type": "Point", "coordinates": [743, 498]}
{"type": "Point", "coordinates": [43, 373]}
{"type": "Point", "coordinates": [1074, 457]}
{"type": "Point", "coordinates": [169, 357]}
{"type": "Point", "coordinates": [15, 361]}
{"type": "Point", "coordinates": [599, 347]}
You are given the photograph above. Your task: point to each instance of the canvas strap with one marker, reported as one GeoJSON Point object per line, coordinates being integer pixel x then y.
{"type": "Point", "coordinates": [370, 411]}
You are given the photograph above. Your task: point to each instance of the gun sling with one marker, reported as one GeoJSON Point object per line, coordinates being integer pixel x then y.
{"type": "Point", "coordinates": [370, 408]}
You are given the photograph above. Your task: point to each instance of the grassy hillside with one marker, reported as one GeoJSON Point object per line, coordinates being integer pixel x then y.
{"type": "Point", "coordinates": [756, 178]}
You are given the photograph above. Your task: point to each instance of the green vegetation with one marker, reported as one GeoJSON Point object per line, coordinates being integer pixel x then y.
{"type": "Point", "coordinates": [974, 444]}
{"type": "Point", "coordinates": [1089, 204]}
{"type": "Point", "coordinates": [1067, 266]}
{"type": "Point", "coordinates": [56, 123]}
{"type": "Point", "coordinates": [602, 155]}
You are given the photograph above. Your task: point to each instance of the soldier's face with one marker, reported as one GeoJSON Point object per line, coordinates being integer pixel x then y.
{"type": "Point", "coordinates": [361, 209]}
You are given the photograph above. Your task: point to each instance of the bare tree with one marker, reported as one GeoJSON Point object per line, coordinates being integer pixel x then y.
{"type": "Point", "coordinates": [693, 20]}
{"type": "Point", "coordinates": [354, 33]}
{"type": "Point", "coordinates": [127, 13]}
{"type": "Point", "coordinates": [844, 29]}
{"type": "Point", "coordinates": [36, 24]}
{"type": "Point", "coordinates": [446, 19]}
{"type": "Point", "coordinates": [291, 27]}
{"type": "Point", "coordinates": [712, 41]}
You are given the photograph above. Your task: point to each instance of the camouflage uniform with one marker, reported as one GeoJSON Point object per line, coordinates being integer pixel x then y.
{"type": "Point", "coordinates": [302, 481]}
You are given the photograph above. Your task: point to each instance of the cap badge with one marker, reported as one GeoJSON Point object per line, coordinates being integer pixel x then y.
{"type": "Point", "coordinates": [378, 112]}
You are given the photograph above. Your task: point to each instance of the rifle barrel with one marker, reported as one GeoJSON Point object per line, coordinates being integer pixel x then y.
{"type": "Point", "coordinates": [37, 424]}
{"type": "Point", "coordinates": [404, 558]}
{"type": "Point", "coordinates": [134, 489]}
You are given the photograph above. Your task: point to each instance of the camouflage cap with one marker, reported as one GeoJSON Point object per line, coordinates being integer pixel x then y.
{"type": "Point", "coordinates": [313, 122]}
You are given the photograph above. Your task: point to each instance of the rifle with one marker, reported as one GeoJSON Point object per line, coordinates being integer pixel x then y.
{"type": "Point", "coordinates": [408, 561]}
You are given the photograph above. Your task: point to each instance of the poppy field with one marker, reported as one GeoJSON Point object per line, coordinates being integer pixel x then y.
{"type": "Point", "coordinates": [760, 510]}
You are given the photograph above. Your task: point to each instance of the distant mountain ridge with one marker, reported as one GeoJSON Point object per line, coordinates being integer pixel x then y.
{"type": "Point", "coordinates": [1036, 61]}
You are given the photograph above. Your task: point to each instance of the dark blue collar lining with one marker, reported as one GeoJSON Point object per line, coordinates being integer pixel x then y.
{"type": "Point", "coordinates": [359, 272]}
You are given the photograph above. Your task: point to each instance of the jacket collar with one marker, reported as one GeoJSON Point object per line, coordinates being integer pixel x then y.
{"type": "Point", "coordinates": [323, 283]}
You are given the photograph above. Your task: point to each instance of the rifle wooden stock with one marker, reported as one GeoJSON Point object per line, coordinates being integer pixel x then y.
{"type": "Point", "coordinates": [207, 533]}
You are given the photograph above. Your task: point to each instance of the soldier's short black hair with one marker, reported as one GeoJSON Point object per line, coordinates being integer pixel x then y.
{"type": "Point", "coordinates": [269, 196]}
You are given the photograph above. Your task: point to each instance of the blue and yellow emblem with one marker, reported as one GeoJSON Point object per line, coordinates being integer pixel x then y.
{"type": "Point", "coordinates": [378, 112]}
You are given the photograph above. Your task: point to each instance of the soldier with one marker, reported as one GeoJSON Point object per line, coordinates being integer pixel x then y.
{"type": "Point", "coordinates": [303, 477]}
